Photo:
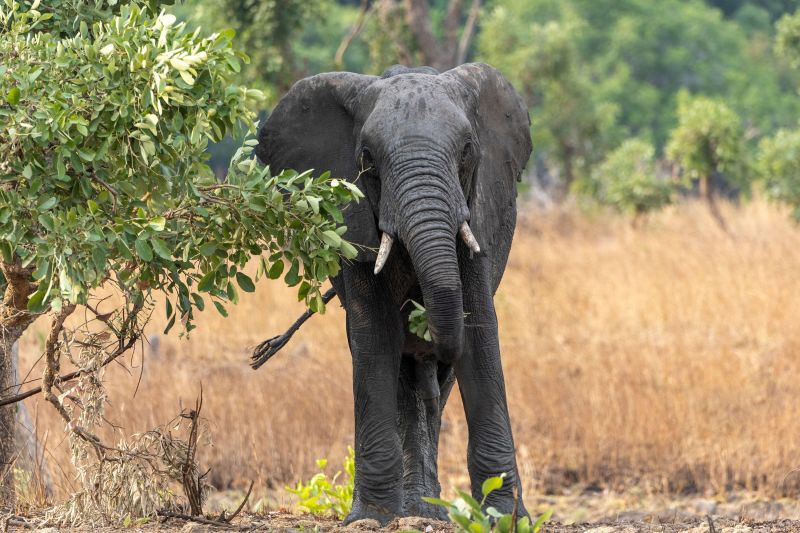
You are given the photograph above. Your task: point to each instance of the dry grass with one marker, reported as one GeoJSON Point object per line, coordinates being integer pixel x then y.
{"type": "Point", "coordinates": [664, 357]}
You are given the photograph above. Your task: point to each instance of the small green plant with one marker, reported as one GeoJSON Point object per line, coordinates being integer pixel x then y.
{"type": "Point", "coordinates": [468, 514]}
{"type": "Point", "coordinates": [418, 321]}
{"type": "Point", "coordinates": [323, 496]}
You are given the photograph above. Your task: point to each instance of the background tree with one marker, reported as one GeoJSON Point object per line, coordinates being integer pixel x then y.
{"type": "Point", "coordinates": [778, 167]}
{"type": "Point", "coordinates": [788, 38]}
{"type": "Point", "coordinates": [708, 144]}
{"type": "Point", "coordinates": [103, 181]}
{"type": "Point", "coordinates": [570, 124]}
{"type": "Point", "coordinates": [629, 180]}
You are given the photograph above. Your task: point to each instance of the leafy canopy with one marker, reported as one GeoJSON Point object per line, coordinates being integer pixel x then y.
{"type": "Point", "coordinates": [778, 166]}
{"type": "Point", "coordinates": [628, 179]}
{"type": "Point", "coordinates": [103, 176]}
{"type": "Point", "coordinates": [709, 139]}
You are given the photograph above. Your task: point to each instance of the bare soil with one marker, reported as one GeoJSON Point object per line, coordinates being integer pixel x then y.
{"type": "Point", "coordinates": [575, 510]}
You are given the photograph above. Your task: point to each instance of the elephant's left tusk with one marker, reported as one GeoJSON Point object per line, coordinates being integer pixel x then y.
{"type": "Point", "coordinates": [383, 252]}
{"type": "Point", "coordinates": [469, 238]}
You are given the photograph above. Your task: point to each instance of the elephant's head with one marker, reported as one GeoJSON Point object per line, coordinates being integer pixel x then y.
{"type": "Point", "coordinates": [424, 146]}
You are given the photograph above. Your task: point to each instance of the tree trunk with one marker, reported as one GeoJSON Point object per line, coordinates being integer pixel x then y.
{"type": "Point", "coordinates": [707, 194]}
{"type": "Point", "coordinates": [14, 320]}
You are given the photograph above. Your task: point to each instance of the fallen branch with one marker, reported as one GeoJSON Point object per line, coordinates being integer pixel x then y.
{"type": "Point", "coordinates": [241, 505]}
{"type": "Point", "coordinates": [202, 520]}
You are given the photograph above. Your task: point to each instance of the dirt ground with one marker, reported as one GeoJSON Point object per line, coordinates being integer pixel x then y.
{"type": "Point", "coordinates": [577, 510]}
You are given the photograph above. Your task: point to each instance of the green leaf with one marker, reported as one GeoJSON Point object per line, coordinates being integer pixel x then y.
{"type": "Point", "coordinates": [47, 202]}
{"type": "Point", "coordinates": [331, 238]}
{"type": "Point", "coordinates": [437, 501]}
{"type": "Point", "coordinates": [207, 281]}
{"type": "Point", "coordinates": [492, 484]}
{"type": "Point", "coordinates": [504, 524]}
{"type": "Point", "coordinates": [542, 520]}
{"type": "Point", "coordinates": [158, 223]}
{"type": "Point", "coordinates": [292, 277]}
{"type": "Point", "coordinates": [36, 301]}
{"type": "Point", "coordinates": [13, 96]}
{"type": "Point", "coordinates": [143, 250]}
{"type": "Point", "coordinates": [275, 270]}
{"type": "Point", "coordinates": [469, 500]}
{"type": "Point", "coordinates": [221, 308]}
{"type": "Point", "coordinates": [245, 282]}
{"type": "Point", "coordinates": [208, 249]}
{"type": "Point", "coordinates": [161, 248]}
{"type": "Point", "coordinates": [199, 303]}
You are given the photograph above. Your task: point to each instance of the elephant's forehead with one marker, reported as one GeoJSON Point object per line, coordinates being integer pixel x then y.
{"type": "Point", "coordinates": [414, 96]}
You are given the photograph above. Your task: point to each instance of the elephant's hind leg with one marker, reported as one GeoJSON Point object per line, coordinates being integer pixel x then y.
{"type": "Point", "coordinates": [422, 393]}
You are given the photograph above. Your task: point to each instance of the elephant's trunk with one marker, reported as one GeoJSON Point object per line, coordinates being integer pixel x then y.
{"type": "Point", "coordinates": [429, 220]}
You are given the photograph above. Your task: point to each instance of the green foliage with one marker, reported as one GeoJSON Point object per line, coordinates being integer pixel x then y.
{"type": "Point", "coordinates": [788, 38]}
{"type": "Point", "coordinates": [778, 166]}
{"type": "Point", "coordinates": [322, 495]}
{"type": "Point", "coordinates": [468, 514]}
{"type": "Point", "coordinates": [709, 139]}
{"type": "Point", "coordinates": [628, 179]}
{"type": "Point", "coordinates": [268, 30]}
{"type": "Point", "coordinates": [418, 322]}
{"type": "Point", "coordinates": [543, 61]}
{"type": "Point", "coordinates": [104, 175]}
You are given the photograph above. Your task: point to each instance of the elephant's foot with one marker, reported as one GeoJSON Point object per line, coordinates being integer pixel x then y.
{"type": "Point", "coordinates": [417, 507]}
{"type": "Point", "coordinates": [505, 504]}
{"type": "Point", "coordinates": [363, 511]}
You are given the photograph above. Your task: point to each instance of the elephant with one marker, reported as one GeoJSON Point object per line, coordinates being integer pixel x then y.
{"type": "Point", "coordinates": [437, 157]}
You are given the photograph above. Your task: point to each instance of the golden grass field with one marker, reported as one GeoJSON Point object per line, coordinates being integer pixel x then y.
{"type": "Point", "coordinates": [665, 358]}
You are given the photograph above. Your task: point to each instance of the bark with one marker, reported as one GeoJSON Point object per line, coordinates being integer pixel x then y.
{"type": "Point", "coordinates": [352, 34]}
{"type": "Point", "coordinates": [707, 193]}
{"type": "Point", "coordinates": [14, 320]}
{"type": "Point", "coordinates": [469, 30]}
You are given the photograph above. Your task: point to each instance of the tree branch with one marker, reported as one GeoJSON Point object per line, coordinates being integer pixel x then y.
{"type": "Point", "coordinates": [469, 30]}
{"type": "Point", "coordinates": [451, 23]}
{"type": "Point", "coordinates": [419, 22]}
{"type": "Point", "coordinates": [338, 59]}
{"type": "Point", "coordinates": [127, 345]}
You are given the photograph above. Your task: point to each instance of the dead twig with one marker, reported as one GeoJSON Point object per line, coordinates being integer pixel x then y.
{"type": "Point", "coordinates": [72, 375]}
{"type": "Point", "coordinates": [192, 482]}
{"type": "Point", "coordinates": [241, 506]}
{"type": "Point", "coordinates": [711, 528]}
{"type": "Point", "coordinates": [516, 507]}
{"type": "Point", "coordinates": [202, 520]}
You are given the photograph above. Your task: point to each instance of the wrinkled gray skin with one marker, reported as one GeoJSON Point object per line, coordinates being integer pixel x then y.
{"type": "Point", "coordinates": [440, 149]}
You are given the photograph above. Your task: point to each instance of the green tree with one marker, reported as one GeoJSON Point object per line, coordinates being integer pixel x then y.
{"type": "Point", "coordinates": [709, 143]}
{"type": "Point", "coordinates": [629, 181]}
{"type": "Point", "coordinates": [778, 166]}
{"type": "Point", "coordinates": [103, 180]}
{"type": "Point", "coordinates": [569, 122]}
{"type": "Point", "coordinates": [788, 38]}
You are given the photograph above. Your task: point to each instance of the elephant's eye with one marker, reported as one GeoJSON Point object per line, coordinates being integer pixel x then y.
{"type": "Point", "coordinates": [367, 161]}
{"type": "Point", "coordinates": [466, 154]}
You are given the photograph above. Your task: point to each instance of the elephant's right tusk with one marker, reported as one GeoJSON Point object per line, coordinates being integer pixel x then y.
{"type": "Point", "coordinates": [383, 252]}
{"type": "Point", "coordinates": [469, 238]}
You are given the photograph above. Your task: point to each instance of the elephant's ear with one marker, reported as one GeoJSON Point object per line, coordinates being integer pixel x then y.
{"type": "Point", "coordinates": [502, 125]}
{"type": "Point", "coordinates": [312, 127]}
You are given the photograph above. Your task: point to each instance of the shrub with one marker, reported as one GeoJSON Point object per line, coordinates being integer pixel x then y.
{"type": "Point", "coordinates": [468, 514]}
{"type": "Point", "coordinates": [322, 495]}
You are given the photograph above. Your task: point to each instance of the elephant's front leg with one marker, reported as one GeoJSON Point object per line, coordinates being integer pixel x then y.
{"type": "Point", "coordinates": [375, 333]}
{"type": "Point", "coordinates": [490, 451]}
